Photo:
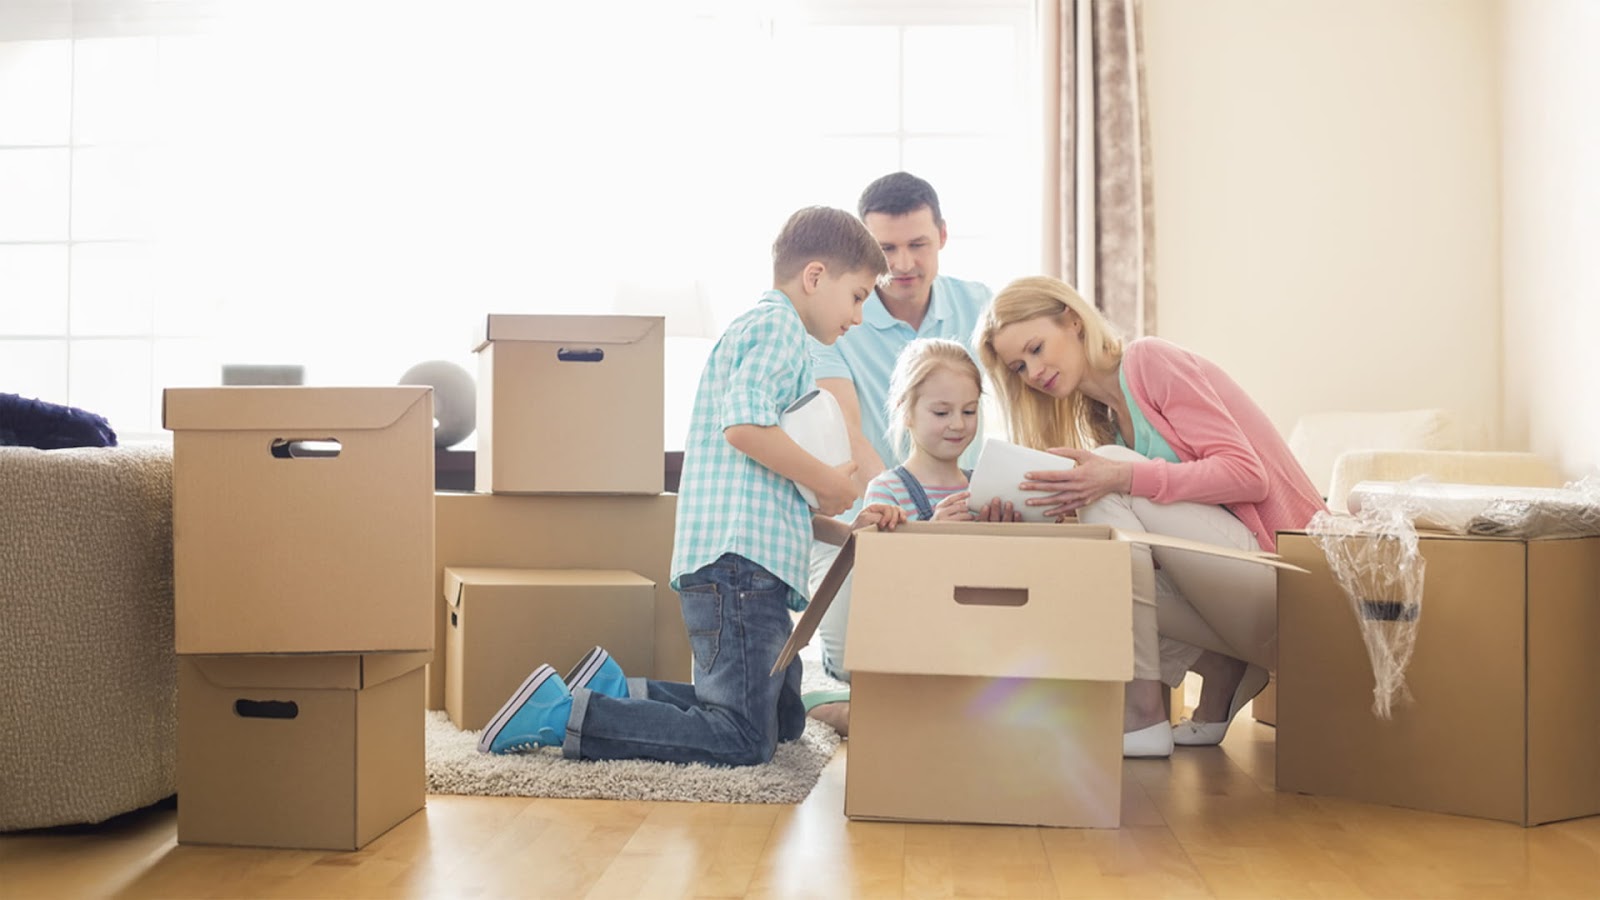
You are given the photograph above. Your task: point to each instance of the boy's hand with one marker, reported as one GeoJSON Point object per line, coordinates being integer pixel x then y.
{"type": "Point", "coordinates": [839, 493]}
{"type": "Point", "coordinates": [954, 508]}
{"type": "Point", "coordinates": [883, 515]}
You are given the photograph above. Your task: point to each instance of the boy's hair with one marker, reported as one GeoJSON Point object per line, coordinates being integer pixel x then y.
{"type": "Point", "coordinates": [920, 359]}
{"type": "Point", "coordinates": [898, 194]}
{"type": "Point", "coordinates": [830, 236]}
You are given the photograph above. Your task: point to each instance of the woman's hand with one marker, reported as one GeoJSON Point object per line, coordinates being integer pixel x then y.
{"type": "Point", "coordinates": [954, 508]}
{"type": "Point", "coordinates": [883, 515]}
{"type": "Point", "coordinates": [1093, 477]}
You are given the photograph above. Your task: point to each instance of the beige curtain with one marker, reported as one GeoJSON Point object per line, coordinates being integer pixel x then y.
{"type": "Point", "coordinates": [1098, 220]}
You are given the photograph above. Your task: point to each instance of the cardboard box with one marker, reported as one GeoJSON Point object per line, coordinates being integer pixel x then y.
{"type": "Point", "coordinates": [504, 622]}
{"type": "Point", "coordinates": [571, 404]}
{"type": "Point", "coordinates": [318, 752]}
{"type": "Point", "coordinates": [987, 670]}
{"type": "Point", "coordinates": [279, 548]}
{"type": "Point", "coordinates": [1265, 706]}
{"type": "Point", "coordinates": [1505, 722]}
{"type": "Point", "coordinates": [631, 533]}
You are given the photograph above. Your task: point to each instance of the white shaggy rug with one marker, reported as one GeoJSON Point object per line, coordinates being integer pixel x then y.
{"type": "Point", "coordinates": [456, 767]}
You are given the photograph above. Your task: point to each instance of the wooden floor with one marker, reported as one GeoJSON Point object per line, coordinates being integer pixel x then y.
{"type": "Point", "coordinates": [1207, 823]}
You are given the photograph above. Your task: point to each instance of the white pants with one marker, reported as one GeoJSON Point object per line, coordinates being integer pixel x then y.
{"type": "Point", "coordinates": [1192, 602]}
{"type": "Point", "coordinates": [832, 627]}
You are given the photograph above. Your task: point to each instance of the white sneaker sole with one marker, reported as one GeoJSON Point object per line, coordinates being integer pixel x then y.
{"type": "Point", "coordinates": [498, 722]}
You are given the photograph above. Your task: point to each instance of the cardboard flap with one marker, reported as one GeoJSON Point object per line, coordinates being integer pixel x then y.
{"type": "Point", "coordinates": [300, 412]}
{"type": "Point", "coordinates": [1258, 557]}
{"type": "Point", "coordinates": [307, 671]}
{"type": "Point", "coordinates": [807, 626]}
{"type": "Point", "coordinates": [575, 330]}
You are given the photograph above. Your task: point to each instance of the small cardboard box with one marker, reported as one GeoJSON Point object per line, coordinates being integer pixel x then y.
{"type": "Point", "coordinates": [571, 404]}
{"type": "Point", "coordinates": [302, 519]}
{"type": "Point", "coordinates": [1505, 722]}
{"type": "Point", "coordinates": [504, 622]}
{"type": "Point", "coordinates": [987, 670]}
{"type": "Point", "coordinates": [315, 752]}
{"type": "Point", "coordinates": [631, 533]}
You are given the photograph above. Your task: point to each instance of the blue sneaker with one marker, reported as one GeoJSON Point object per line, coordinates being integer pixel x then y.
{"type": "Point", "coordinates": [535, 716]}
{"type": "Point", "coordinates": [598, 672]}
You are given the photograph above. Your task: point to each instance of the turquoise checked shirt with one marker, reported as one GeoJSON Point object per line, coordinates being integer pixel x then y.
{"type": "Point", "coordinates": [728, 502]}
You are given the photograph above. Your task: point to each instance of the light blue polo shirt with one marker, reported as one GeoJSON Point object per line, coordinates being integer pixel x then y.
{"type": "Point", "coordinates": [866, 353]}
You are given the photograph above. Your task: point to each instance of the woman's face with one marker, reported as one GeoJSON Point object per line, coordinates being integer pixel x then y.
{"type": "Point", "coordinates": [1046, 352]}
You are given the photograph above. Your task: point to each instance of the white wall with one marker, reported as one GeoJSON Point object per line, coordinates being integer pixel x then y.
{"type": "Point", "coordinates": [1327, 199]}
{"type": "Point", "coordinates": [1551, 256]}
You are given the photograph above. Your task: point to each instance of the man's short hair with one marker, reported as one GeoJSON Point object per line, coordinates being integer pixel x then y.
{"type": "Point", "coordinates": [831, 236]}
{"type": "Point", "coordinates": [898, 194]}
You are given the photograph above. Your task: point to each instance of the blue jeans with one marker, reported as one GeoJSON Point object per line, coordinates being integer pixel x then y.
{"type": "Point", "coordinates": [735, 713]}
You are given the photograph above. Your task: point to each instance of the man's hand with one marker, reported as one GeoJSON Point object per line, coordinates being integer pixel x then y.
{"type": "Point", "coordinates": [997, 511]}
{"type": "Point", "coordinates": [1072, 489]}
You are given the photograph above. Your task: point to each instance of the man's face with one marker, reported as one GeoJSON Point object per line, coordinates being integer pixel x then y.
{"type": "Point", "coordinates": [911, 242]}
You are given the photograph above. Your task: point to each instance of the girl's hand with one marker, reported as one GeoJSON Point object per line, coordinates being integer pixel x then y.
{"type": "Point", "coordinates": [840, 491]}
{"type": "Point", "coordinates": [1072, 489]}
{"type": "Point", "coordinates": [954, 508]}
{"type": "Point", "coordinates": [996, 511]}
{"type": "Point", "coordinates": [885, 516]}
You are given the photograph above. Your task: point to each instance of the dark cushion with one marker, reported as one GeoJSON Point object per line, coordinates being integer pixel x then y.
{"type": "Point", "coordinates": [26, 422]}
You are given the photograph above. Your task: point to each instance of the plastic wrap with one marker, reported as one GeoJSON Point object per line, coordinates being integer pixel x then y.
{"type": "Point", "coordinates": [1489, 510]}
{"type": "Point", "coordinates": [1374, 558]}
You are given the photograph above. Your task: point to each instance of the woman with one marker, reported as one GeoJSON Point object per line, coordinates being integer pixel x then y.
{"type": "Point", "coordinates": [1205, 464]}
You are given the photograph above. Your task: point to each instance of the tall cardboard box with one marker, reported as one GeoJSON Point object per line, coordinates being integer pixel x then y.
{"type": "Point", "coordinates": [302, 519]}
{"type": "Point", "coordinates": [628, 532]}
{"type": "Point", "coordinates": [1505, 722]}
{"type": "Point", "coordinates": [571, 404]}
{"type": "Point", "coordinates": [504, 622]}
{"type": "Point", "coordinates": [318, 752]}
{"type": "Point", "coordinates": [987, 670]}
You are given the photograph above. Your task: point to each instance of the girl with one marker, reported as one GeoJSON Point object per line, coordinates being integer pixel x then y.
{"type": "Point", "coordinates": [932, 406]}
{"type": "Point", "coordinates": [1066, 383]}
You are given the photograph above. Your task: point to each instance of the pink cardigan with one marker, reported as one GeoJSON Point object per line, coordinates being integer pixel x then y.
{"type": "Point", "coordinates": [1232, 454]}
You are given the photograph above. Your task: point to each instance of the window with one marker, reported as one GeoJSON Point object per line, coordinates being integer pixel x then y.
{"type": "Point", "coordinates": [351, 186]}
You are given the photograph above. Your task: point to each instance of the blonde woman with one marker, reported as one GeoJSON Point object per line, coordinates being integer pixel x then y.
{"type": "Point", "coordinates": [1205, 463]}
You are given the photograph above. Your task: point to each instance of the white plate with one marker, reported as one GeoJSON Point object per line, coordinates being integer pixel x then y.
{"type": "Point", "coordinates": [1001, 467]}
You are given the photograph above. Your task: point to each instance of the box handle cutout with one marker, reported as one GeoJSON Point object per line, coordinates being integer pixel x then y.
{"type": "Point", "coordinates": [991, 596]}
{"type": "Point", "coordinates": [266, 709]}
{"type": "Point", "coordinates": [453, 620]}
{"type": "Point", "coordinates": [588, 354]}
{"type": "Point", "coordinates": [305, 448]}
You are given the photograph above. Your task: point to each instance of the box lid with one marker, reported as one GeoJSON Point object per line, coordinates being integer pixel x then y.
{"type": "Point", "coordinates": [314, 411]}
{"type": "Point", "coordinates": [569, 329]}
{"type": "Point", "coordinates": [308, 671]}
{"type": "Point", "coordinates": [458, 581]}
{"type": "Point", "coordinates": [970, 589]}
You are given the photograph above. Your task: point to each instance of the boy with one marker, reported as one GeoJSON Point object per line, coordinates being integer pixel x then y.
{"type": "Point", "coordinates": [743, 543]}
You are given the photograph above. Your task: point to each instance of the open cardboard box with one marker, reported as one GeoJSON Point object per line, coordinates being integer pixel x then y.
{"type": "Point", "coordinates": [302, 519]}
{"type": "Point", "coordinates": [571, 404]}
{"type": "Point", "coordinates": [987, 668]}
{"type": "Point", "coordinates": [1504, 721]}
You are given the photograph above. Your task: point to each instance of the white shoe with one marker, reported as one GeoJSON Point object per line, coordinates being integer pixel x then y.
{"type": "Point", "coordinates": [1154, 742]}
{"type": "Point", "coordinates": [1189, 733]}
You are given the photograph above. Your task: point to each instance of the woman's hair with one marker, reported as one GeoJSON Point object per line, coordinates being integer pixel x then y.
{"type": "Point", "coordinates": [1034, 418]}
{"type": "Point", "coordinates": [920, 359]}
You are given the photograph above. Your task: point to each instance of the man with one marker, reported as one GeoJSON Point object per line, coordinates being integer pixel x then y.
{"type": "Point", "coordinates": [902, 213]}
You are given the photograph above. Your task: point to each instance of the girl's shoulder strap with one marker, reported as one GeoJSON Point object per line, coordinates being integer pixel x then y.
{"type": "Point", "coordinates": [915, 491]}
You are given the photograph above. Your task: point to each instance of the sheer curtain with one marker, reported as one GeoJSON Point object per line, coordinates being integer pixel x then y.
{"type": "Point", "coordinates": [351, 185]}
{"type": "Point", "coordinates": [1099, 222]}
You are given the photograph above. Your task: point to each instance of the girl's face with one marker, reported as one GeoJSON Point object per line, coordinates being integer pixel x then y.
{"type": "Point", "coordinates": [944, 416]}
{"type": "Point", "coordinates": [1046, 352]}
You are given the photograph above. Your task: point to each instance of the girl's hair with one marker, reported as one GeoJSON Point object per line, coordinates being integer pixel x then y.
{"type": "Point", "coordinates": [1034, 418]}
{"type": "Point", "coordinates": [921, 358]}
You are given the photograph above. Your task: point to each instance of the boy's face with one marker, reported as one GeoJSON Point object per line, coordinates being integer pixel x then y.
{"type": "Point", "coordinates": [911, 242]}
{"type": "Point", "coordinates": [833, 302]}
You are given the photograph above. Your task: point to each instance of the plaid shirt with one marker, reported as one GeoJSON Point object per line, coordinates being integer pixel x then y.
{"type": "Point", "coordinates": [728, 502]}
